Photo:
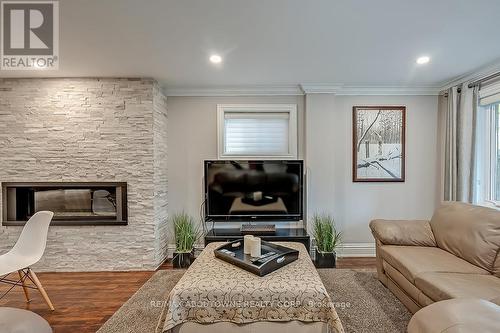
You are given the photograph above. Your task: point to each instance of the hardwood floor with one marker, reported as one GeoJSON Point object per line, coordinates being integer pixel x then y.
{"type": "Point", "coordinates": [358, 262]}
{"type": "Point", "coordinates": [84, 301]}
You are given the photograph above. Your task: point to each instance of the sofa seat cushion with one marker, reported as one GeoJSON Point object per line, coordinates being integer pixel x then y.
{"type": "Point", "coordinates": [411, 261]}
{"type": "Point", "coordinates": [440, 286]}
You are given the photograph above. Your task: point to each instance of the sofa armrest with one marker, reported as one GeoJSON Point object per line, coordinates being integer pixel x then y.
{"type": "Point", "coordinates": [410, 233]}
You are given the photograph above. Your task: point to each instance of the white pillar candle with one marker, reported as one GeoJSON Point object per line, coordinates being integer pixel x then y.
{"type": "Point", "coordinates": [255, 248]}
{"type": "Point", "coordinates": [247, 243]}
{"type": "Point", "coordinates": [257, 196]}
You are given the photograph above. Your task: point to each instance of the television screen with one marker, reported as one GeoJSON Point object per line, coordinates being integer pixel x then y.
{"type": "Point", "coordinates": [253, 190]}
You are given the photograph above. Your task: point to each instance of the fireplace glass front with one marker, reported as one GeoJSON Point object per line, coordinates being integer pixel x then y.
{"type": "Point", "coordinates": [71, 203]}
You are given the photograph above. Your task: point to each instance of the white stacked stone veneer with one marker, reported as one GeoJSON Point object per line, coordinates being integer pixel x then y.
{"type": "Point", "coordinates": [90, 130]}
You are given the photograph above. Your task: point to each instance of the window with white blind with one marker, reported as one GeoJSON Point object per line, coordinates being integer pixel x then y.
{"type": "Point", "coordinates": [257, 130]}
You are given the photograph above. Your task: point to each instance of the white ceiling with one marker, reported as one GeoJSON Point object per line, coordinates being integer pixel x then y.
{"type": "Point", "coordinates": [276, 42]}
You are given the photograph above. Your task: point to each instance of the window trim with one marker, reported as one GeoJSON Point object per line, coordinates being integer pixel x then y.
{"type": "Point", "coordinates": [491, 149]}
{"type": "Point", "coordinates": [291, 109]}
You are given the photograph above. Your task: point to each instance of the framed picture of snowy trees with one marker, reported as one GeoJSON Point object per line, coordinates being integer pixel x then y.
{"type": "Point", "coordinates": [378, 143]}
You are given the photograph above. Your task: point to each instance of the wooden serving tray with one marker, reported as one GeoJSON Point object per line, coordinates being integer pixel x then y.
{"type": "Point", "coordinates": [280, 256]}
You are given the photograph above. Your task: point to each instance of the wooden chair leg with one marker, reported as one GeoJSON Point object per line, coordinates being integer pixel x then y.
{"type": "Point", "coordinates": [23, 282]}
{"type": "Point", "coordinates": [40, 288]}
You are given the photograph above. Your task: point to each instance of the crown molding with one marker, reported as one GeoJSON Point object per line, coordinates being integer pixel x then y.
{"type": "Point", "coordinates": [320, 88]}
{"type": "Point", "coordinates": [303, 89]}
{"type": "Point", "coordinates": [472, 75]}
{"type": "Point", "coordinates": [259, 90]}
{"type": "Point", "coordinates": [337, 89]}
{"type": "Point", "coordinates": [389, 91]}
{"type": "Point", "coordinates": [345, 90]}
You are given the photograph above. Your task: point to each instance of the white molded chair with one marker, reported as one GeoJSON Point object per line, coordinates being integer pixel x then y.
{"type": "Point", "coordinates": [27, 251]}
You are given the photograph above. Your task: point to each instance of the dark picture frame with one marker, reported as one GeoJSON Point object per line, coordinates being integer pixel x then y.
{"type": "Point", "coordinates": [378, 143]}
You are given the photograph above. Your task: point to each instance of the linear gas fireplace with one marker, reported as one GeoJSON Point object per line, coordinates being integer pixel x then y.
{"type": "Point", "coordinates": [99, 203]}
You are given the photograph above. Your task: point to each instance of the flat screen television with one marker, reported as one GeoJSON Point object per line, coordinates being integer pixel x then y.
{"type": "Point", "coordinates": [249, 191]}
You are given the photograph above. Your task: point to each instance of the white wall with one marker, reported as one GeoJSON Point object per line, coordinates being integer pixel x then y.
{"type": "Point", "coordinates": [329, 162]}
{"type": "Point", "coordinates": [192, 138]}
{"type": "Point", "coordinates": [325, 142]}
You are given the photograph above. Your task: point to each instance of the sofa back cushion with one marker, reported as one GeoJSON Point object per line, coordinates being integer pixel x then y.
{"type": "Point", "coordinates": [469, 232]}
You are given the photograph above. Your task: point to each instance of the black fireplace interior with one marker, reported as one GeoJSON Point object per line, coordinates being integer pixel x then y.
{"type": "Point", "coordinates": [71, 203]}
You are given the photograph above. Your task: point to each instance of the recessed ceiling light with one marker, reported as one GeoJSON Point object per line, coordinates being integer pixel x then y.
{"type": "Point", "coordinates": [215, 59]}
{"type": "Point", "coordinates": [423, 60]}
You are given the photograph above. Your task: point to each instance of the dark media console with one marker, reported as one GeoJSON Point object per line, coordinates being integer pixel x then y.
{"type": "Point", "coordinates": [298, 235]}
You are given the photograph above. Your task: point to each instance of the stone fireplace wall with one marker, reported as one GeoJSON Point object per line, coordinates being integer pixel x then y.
{"type": "Point", "coordinates": [90, 130]}
{"type": "Point", "coordinates": [160, 183]}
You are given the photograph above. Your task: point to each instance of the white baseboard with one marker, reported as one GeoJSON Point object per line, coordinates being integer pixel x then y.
{"type": "Point", "coordinates": [356, 250]}
{"type": "Point", "coordinates": [170, 250]}
{"type": "Point", "coordinates": [345, 250]}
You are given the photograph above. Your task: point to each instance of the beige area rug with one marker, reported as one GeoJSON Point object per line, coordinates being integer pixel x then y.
{"type": "Point", "coordinates": [362, 302]}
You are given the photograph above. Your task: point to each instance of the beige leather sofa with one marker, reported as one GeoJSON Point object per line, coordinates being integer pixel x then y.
{"type": "Point", "coordinates": [456, 254]}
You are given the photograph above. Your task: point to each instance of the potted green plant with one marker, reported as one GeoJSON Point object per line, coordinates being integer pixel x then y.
{"type": "Point", "coordinates": [186, 234]}
{"type": "Point", "coordinates": [327, 240]}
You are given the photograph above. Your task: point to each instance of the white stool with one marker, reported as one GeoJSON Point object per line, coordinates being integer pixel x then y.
{"type": "Point", "coordinates": [22, 321]}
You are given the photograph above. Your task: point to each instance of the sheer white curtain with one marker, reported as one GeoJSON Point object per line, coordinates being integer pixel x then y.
{"type": "Point", "coordinates": [461, 145]}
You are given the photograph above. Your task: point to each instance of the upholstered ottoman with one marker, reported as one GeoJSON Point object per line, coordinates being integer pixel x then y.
{"type": "Point", "coordinates": [22, 321]}
{"type": "Point", "coordinates": [458, 315]}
